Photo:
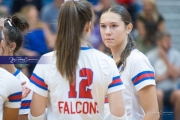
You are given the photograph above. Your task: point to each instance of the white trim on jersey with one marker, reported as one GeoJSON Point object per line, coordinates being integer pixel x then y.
{"type": "Point", "coordinates": [25, 103]}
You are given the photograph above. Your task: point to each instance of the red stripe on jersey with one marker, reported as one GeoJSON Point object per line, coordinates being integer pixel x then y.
{"type": "Point", "coordinates": [15, 97]}
{"type": "Point", "coordinates": [143, 76]}
{"type": "Point", "coordinates": [37, 81]}
{"type": "Point", "coordinates": [118, 80]}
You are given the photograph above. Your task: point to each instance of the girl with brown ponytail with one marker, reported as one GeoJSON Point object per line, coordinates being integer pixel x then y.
{"type": "Point", "coordinates": [136, 72]}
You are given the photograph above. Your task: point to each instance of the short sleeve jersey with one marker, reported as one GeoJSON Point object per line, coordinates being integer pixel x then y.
{"type": "Point", "coordinates": [10, 91]}
{"type": "Point", "coordinates": [137, 74]}
{"type": "Point", "coordinates": [96, 76]}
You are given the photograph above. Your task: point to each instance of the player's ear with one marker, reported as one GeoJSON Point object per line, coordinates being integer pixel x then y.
{"type": "Point", "coordinates": [88, 26]}
{"type": "Point", "coordinates": [129, 27]}
{"type": "Point", "coordinates": [12, 46]}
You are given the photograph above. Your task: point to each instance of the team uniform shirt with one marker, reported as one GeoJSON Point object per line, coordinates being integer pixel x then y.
{"type": "Point", "coordinates": [25, 103]}
{"type": "Point", "coordinates": [137, 74]}
{"type": "Point", "coordinates": [10, 91]}
{"type": "Point", "coordinates": [96, 76]}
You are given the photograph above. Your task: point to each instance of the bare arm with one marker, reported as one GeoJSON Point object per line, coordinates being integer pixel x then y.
{"type": "Point", "coordinates": [10, 113]}
{"type": "Point", "coordinates": [172, 70]}
{"type": "Point", "coordinates": [38, 105]}
{"type": "Point", "coordinates": [50, 37]}
{"type": "Point", "coordinates": [116, 104]}
{"type": "Point", "coordinates": [23, 117]}
{"type": "Point", "coordinates": [148, 100]}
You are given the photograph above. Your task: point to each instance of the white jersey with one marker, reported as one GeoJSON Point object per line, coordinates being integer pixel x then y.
{"type": "Point", "coordinates": [96, 76]}
{"type": "Point", "coordinates": [137, 74]}
{"type": "Point", "coordinates": [10, 91]}
{"type": "Point", "coordinates": [25, 103]}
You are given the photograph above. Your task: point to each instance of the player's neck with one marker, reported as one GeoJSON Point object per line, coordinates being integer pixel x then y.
{"type": "Point", "coordinates": [117, 51]}
{"type": "Point", "coordinates": [84, 42]}
{"type": "Point", "coordinates": [9, 67]}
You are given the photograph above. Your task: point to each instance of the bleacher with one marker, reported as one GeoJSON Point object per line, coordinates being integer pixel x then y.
{"type": "Point", "coordinates": [170, 9]}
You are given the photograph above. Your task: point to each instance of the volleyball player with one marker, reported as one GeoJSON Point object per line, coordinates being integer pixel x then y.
{"type": "Point", "coordinates": [10, 88]}
{"type": "Point", "coordinates": [14, 27]}
{"type": "Point", "coordinates": [136, 71]}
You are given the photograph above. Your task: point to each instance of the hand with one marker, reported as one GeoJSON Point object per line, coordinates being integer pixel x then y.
{"type": "Point", "coordinates": [162, 53]}
{"type": "Point", "coordinates": [172, 71]}
{"type": "Point", "coordinates": [25, 90]}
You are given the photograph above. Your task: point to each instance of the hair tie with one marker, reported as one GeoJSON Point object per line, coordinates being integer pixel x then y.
{"type": "Point", "coordinates": [9, 20]}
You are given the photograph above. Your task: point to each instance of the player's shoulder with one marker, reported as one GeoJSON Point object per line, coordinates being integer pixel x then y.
{"type": "Point", "coordinates": [102, 56]}
{"type": "Point", "coordinates": [47, 58]}
{"type": "Point", "coordinates": [21, 76]}
{"type": "Point", "coordinates": [136, 57]}
{"type": "Point", "coordinates": [49, 53]}
{"type": "Point", "coordinates": [10, 82]}
{"type": "Point", "coordinates": [6, 75]}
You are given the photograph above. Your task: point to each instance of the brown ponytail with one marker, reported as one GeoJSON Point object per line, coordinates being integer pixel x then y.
{"type": "Point", "coordinates": [72, 19]}
{"type": "Point", "coordinates": [126, 52]}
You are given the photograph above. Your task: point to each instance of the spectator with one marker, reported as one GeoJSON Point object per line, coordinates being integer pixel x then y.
{"type": "Point", "coordinates": [36, 41]}
{"type": "Point", "coordinates": [49, 17]}
{"type": "Point", "coordinates": [18, 4]}
{"type": "Point", "coordinates": [132, 7]}
{"type": "Point", "coordinates": [4, 11]}
{"type": "Point", "coordinates": [165, 61]}
{"type": "Point", "coordinates": [101, 6]}
{"type": "Point", "coordinates": [148, 23]}
{"type": "Point", "coordinates": [7, 3]}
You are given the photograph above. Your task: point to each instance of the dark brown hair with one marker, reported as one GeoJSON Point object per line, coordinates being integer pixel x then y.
{"type": "Point", "coordinates": [126, 18]}
{"type": "Point", "coordinates": [72, 19]}
{"type": "Point", "coordinates": [14, 27]}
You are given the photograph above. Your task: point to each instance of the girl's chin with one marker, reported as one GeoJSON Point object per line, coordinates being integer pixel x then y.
{"type": "Point", "coordinates": [109, 45]}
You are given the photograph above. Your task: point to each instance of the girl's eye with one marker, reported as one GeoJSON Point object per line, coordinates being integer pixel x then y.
{"type": "Point", "coordinates": [103, 26]}
{"type": "Point", "coordinates": [114, 26]}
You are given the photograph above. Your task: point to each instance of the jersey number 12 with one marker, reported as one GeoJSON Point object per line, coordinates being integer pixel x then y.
{"type": "Point", "coordinates": [83, 92]}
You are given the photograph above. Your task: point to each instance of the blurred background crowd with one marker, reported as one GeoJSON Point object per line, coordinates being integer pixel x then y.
{"type": "Point", "coordinates": [156, 32]}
